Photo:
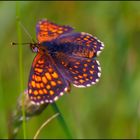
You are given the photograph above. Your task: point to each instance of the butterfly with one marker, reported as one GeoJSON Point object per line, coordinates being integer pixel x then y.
{"type": "Point", "coordinates": [64, 57]}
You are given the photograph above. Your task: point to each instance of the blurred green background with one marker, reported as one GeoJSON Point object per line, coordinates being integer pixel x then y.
{"type": "Point", "coordinates": [111, 108]}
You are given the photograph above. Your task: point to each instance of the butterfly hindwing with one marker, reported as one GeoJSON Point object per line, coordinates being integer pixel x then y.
{"type": "Point", "coordinates": [48, 31]}
{"type": "Point", "coordinates": [46, 83]}
{"type": "Point", "coordinates": [81, 72]}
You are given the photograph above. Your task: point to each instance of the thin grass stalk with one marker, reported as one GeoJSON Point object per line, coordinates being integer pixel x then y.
{"type": "Point", "coordinates": [21, 68]}
{"type": "Point", "coordinates": [44, 124]}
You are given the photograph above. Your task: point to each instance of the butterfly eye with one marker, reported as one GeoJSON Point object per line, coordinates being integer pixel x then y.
{"type": "Point", "coordinates": [34, 47]}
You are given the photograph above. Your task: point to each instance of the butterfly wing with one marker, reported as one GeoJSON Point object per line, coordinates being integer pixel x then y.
{"type": "Point", "coordinates": [46, 83]}
{"type": "Point", "coordinates": [80, 44]}
{"type": "Point", "coordinates": [47, 31]}
{"type": "Point", "coordinates": [81, 72]}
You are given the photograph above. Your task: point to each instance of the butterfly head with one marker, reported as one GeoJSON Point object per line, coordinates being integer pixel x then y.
{"type": "Point", "coordinates": [34, 47]}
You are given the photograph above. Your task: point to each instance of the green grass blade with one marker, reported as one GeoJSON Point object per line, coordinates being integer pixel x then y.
{"type": "Point", "coordinates": [21, 68]}
{"type": "Point", "coordinates": [62, 121]}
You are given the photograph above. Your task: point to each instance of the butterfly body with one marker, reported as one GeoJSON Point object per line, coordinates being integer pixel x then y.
{"type": "Point", "coordinates": [53, 47]}
{"type": "Point", "coordinates": [63, 58]}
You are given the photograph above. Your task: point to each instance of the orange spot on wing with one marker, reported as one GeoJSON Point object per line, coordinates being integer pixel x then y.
{"type": "Point", "coordinates": [88, 60]}
{"type": "Point", "coordinates": [91, 53]}
{"type": "Point", "coordinates": [37, 78]}
{"type": "Point", "coordinates": [59, 82]}
{"type": "Point", "coordinates": [54, 30]}
{"type": "Point", "coordinates": [85, 38]}
{"type": "Point", "coordinates": [55, 75]}
{"type": "Point", "coordinates": [85, 75]}
{"type": "Point", "coordinates": [37, 85]}
{"type": "Point", "coordinates": [51, 92]}
{"type": "Point", "coordinates": [33, 83]}
{"type": "Point", "coordinates": [75, 66]}
{"type": "Point", "coordinates": [92, 66]}
{"type": "Point", "coordinates": [63, 62]}
{"type": "Point", "coordinates": [91, 71]}
{"type": "Point", "coordinates": [85, 65]}
{"type": "Point", "coordinates": [80, 76]}
{"type": "Point", "coordinates": [41, 61]}
{"type": "Point", "coordinates": [60, 32]}
{"type": "Point", "coordinates": [87, 79]}
{"type": "Point", "coordinates": [76, 77]}
{"type": "Point", "coordinates": [77, 63]}
{"type": "Point", "coordinates": [81, 81]}
{"type": "Point", "coordinates": [91, 77]}
{"type": "Point", "coordinates": [30, 91]}
{"type": "Point", "coordinates": [44, 79]}
{"type": "Point", "coordinates": [50, 70]}
{"type": "Point", "coordinates": [42, 85]}
{"type": "Point", "coordinates": [35, 92]}
{"type": "Point", "coordinates": [48, 86]}
{"type": "Point", "coordinates": [73, 72]}
{"type": "Point", "coordinates": [53, 83]}
{"type": "Point", "coordinates": [40, 91]}
{"type": "Point", "coordinates": [38, 70]}
{"type": "Point", "coordinates": [48, 76]}
{"type": "Point", "coordinates": [38, 97]}
{"type": "Point", "coordinates": [33, 77]}
{"type": "Point", "coordinates": [45, 91]}
{"type": "Point", "coordinates": [84, 69]}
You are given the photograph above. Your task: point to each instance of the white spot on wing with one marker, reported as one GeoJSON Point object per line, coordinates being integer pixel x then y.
{"type": "Point", "coordinates": [42, 102]}
{"type": "Point", "coordinates": [102, 44]}
{"type": "Point", "coordinates": [101, 48]}
{"type": "Point", "coordinates": [61, 93]}
{"type": "Point", "coordinates": [95, 38]}
{"type": "Point", "coordinates": [80, 86]}
{"type": "Point", "coordinates": [37, 103]}
{"type": "Point", "coordinates": [93, 83]}
{"type": "Point", "coordinates": [66, 89]}
{"type": "Point", "coordinates": [51, 101]}
{"type": "Point", "coordinates": [97, 80]}
{"type": "Point", "coordinates": [98, 52]}
{"type": "Point", "coordinates": [46, 101]}
{"type": "Point", "coordinates": [98, 62]}
{"type": "Point", "coordinates": [33, 102]}
{"type": "Point", "coordinates": [83, 33]}
{"type": "Point", "coordinates": [88, 85]}
{"type": "Point", "coordinates": [99, 74]}
{"type": "Point", "coordinates": [99, 68]}
{"type": "Point", "coordinates": [56, 98]}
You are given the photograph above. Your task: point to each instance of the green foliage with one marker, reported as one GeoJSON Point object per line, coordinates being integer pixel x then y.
{"type": "Point", "coordinates": [110, 109]}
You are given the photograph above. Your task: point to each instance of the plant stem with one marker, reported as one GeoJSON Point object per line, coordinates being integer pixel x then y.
{"type": "Point", "coordinates": [62, 121]}
{"type": "Point", "coordinates": [21, 69]}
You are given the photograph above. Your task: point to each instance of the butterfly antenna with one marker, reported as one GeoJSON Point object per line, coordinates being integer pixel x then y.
{"type": "Point", "coordinates": [13, 43]}
{"type": "Point", "coordinates": [25, 30]}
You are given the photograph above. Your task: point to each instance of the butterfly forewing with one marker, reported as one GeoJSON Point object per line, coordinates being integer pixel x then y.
{"type": "Point", "coordinates": [48, 31]}
{"type": "Point", "coordinates": [81, 44]}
